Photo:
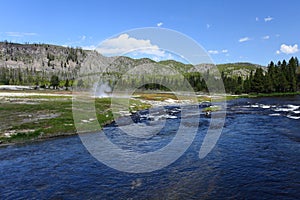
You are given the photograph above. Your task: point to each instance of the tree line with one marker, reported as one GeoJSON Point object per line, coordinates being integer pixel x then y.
{"type": "Point", "coordinates": [275, 78]}
{"type": "Point", "coordinates": [37, 79]}
{"type": "Point", "coordinates": [278, 78]}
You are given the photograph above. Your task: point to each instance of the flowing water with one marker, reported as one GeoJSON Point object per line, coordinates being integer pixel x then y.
{"type": "Point", "coordinates": [256, 157]}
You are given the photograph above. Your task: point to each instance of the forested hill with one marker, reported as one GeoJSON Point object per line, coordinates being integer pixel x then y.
{"type": "Point", "coordinates": [27, 64]}
{"type": "Point", "coordinates": [42, 64]}
{"type": "Point", "coordinates": [280, 78]}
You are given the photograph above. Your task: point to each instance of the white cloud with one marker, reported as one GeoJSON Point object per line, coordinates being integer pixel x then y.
{"type": "Point", "coordinates": [167, 56]}
{"type": "Point", "coordinates": [92, 47]}
{"type": "Point", "coordinates": [288, 49]}
{"type": "Point", "coordinates": [155, 58]}
{"type": "Point", "coordinates": [82, 41]}
{"type": "Point", "coordinates": [124, 44]}
{"type": "Point", "coordinates": [19, 34]}
{"type": "Point", "coordinates": [267, 19]}
{"type": "Point", "coordinates": [266, 37]}
{"type": "Point", "coordinates": [159, 24]}
{"type": "Point", "coordinates": [256, 19]}
{"type": "Point", "coordinates": [213, 52]}
{"type": "Point", "coordinates": [244, 39]}
{"type": "Point", "coordinates": [224, 51]}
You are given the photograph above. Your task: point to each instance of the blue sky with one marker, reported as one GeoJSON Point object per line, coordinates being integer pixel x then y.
{"type": "Point", "coordinates": [231, 31]}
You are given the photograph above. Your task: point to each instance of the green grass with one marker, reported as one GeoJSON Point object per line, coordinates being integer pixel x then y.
{"type": "Point", "coordinates": [211, 109]}
{"type": "Point", "coordinates": [255, 95]}
{"type": "Point", "coordinates": [52, 116]}
{"type": "Point", "coordinates": [156, 96]}
{"type": "Point", "coordinates": [218, 99]}
{"type": "Point", "coordinates": [49, 118]}
{"type": "Point", "coordinates": [18, 117]}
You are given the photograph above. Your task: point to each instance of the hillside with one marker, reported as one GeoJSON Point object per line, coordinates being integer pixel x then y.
{"type": "Point", "coordinates": [35, 64]}
{"type": "Point", "coordinates": [239, 69]}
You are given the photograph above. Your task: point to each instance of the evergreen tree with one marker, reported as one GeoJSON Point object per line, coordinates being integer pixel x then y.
{"type": "Point", "coordinates": [291, 74]}
{"type": "Point", "coordinates": [257, 84]}
{"type": "Point", "coordinates": [54, 81]}
{"type": "Point", "coordinates": [271, 76]}
{"type": "Point", "coordinates": [67, 85]}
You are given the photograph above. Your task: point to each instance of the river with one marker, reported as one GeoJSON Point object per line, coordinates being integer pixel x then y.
{"type": "Point", "coordinates": [256, 157]}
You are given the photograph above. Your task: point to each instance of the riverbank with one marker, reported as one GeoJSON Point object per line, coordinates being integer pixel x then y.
{"type": "Point", "coordinates": [32, 116]}
{"type": "Point", "coordinates": [258, 149]}
{"type": "Point", "coordinates": [38, 115]}
{"type": "Point", "coordinates": [255, 95]}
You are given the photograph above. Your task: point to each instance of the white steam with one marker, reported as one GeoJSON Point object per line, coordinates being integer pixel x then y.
{"type": "Point", "coordinates": [102, 90]}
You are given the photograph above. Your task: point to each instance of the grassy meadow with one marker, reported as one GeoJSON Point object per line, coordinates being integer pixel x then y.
{"type": "Point", "coordinates": [34, 116]}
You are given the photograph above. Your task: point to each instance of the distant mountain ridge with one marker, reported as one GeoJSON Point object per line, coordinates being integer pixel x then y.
{"type": "Point", "coordinates": [45, 60]}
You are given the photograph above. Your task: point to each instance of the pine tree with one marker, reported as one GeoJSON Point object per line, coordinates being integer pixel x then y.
{"type": "Point", "coordinates": [271, 76]}
{"type": "Point", "coordinates": [258, 81]}
{"type": "Point", "coordinates": [54, 81]}
{"type": "Point", "coordinates": [291, 74]}
{"type": "Point", "coordinates": [67, 85]}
